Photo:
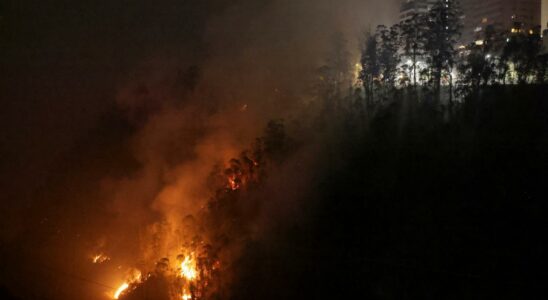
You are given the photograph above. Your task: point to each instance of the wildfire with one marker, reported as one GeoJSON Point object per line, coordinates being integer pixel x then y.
{"type": "Point", "coordinates": [188, 268]}
{"type": "Point", "coordinates": [196, 270]}
{"type": "Point", "coordinates": [120, 290]}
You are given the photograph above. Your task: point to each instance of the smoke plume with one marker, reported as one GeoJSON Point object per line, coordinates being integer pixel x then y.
{"type": "Point", "coordinates": [188, 86]}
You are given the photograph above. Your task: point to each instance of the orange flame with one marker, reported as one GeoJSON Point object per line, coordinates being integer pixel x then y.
{"type": "Point", "coordinates": [233, 184]}
{"type": "Point", "coordinates": [186, 296]}
{"type": "Point", "coordinates": [188, 268]}
{"type": "Point", "coordinates": [120, 290]}
{"type": "Point", "coordinates": [133, 277]}
{"type": "Point", "coordinates": [100, 258]}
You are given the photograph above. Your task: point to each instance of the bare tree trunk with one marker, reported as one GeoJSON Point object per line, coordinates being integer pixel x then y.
{"type": "Point", "coordinates": [450, 91]}
{"type": "Point", "coordinates": [437, 84]}
{"type": "Point", "coordinates": [414, 71]}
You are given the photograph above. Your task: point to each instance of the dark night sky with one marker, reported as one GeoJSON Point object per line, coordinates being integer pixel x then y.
{"type": "Point", "coordinates": [63, 61]}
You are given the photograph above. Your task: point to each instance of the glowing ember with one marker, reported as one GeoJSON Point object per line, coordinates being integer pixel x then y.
{"type": "Point", "coordinates": [233, 184]}
{"type": "Point", "coordinates": [188, 268]}
{"type": "Point", "coordinates": [120, 290]}
{"type": "Point", "coordinates": [187, 297]}
{"type": "Point", "coordinates": [100, 258]}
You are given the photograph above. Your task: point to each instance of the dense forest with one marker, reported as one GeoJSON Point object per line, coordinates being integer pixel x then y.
{"type": "Point", "coordinates": [432, 186]}
{"type": "Point", "coordinates": [418, 206]}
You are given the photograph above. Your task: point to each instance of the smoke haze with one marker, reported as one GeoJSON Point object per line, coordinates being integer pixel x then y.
{"type": "Point", "coordinates": [115, 114]}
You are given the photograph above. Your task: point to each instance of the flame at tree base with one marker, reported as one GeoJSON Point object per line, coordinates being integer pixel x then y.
{"type": "Point", "coordinates": [188, 268]}
{"type": "Point", "coordinates": [188, 278]}
{"type": "Point", "coordinates": [195, 274]}
{"type": "Point", "coordinates": [120, 290]}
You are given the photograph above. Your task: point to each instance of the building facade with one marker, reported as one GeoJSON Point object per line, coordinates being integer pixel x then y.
{"type": "Point", "coordinates": [410, 7]}
{"type": "Point", "coordinates": [510, 16]}
{"type": "Point", "coordinates": [478, 15]}
{"type": "Point", "coordinates": [544, 16]}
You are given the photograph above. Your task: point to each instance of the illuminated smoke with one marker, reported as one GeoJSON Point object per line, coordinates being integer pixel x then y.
{"type": "Point", "coordinates": [191, 107]}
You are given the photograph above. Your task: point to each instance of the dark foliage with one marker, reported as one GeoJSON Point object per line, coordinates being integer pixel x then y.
{"type": "Point", "coordinates": [423, 208]}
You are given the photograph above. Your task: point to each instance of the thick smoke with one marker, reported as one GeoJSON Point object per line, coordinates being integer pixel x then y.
{"type": "Point", "coordinates": [185, 108]}
{"type": "Point", "coordinates": [258, 63]}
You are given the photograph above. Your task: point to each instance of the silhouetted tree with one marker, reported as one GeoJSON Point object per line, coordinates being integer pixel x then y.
{"type": "Point", "coordinates": [442, 29]}
{"type": "Point", "coordinates": [520, 55]}
{"type": "Point", "coordinates": [412, 42]}
{"type": "Point", "coordinates": [336, 74]}
{"type": "Point", "coordinates": [380, 60]}
{"type": "Point", "coordinates": [389, 57]}
{"type": "Point", "coordinates": [477, 65]}
{"type": "Point", "coordinates": [542, 68]}
{"type": "Point", "coordinates": [370, 66]}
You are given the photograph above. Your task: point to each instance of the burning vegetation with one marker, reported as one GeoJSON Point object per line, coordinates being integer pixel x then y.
{"type": "Point", "coordinates": [100, 258]}
{"type": "Point", "coordinates": [201, 267]}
